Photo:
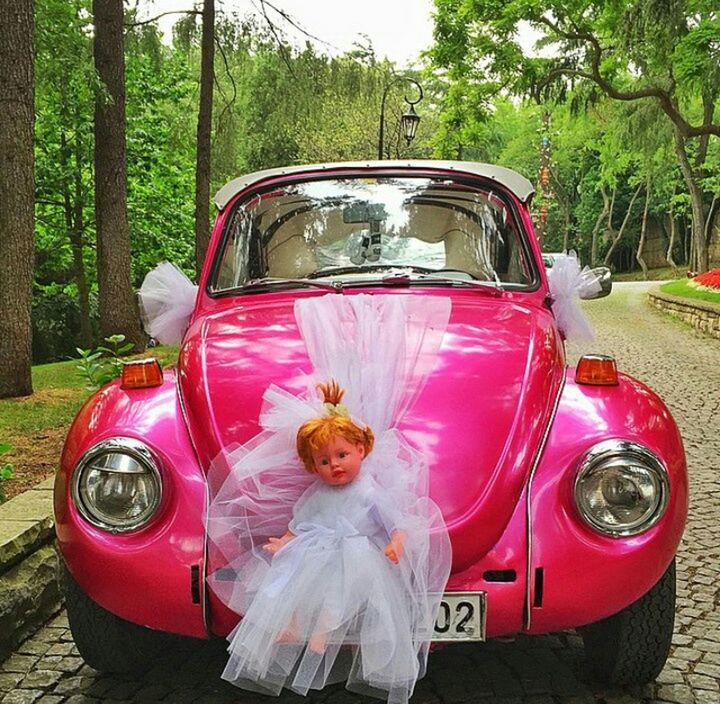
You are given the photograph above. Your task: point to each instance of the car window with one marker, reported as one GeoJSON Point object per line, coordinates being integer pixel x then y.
{"type": "Point", "coordinates": [347, 227]}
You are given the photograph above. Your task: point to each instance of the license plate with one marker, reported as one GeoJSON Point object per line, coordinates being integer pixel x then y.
{"type": "Point", "coordinates": [461, 616]}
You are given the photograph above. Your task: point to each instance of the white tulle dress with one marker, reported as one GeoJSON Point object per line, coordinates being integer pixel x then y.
{"type": "Point", "coordinates": [332, 578]}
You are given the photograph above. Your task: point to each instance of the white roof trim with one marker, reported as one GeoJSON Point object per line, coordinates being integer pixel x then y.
{"type": "Point", "coordinates": [511, 180]}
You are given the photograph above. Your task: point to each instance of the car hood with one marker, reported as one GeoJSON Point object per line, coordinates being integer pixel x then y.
{"type": "Point", "coordinates": [479, 419]}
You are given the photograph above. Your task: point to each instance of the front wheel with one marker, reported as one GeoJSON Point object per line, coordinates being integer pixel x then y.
{"type": "Point", "coordinates": [105, 641]}
{"type": "Point", "coordinates": [631, 647]}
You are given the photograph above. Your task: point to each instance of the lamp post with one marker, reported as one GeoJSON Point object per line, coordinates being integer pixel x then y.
{"type": "Point", "coordinates": [409, 118]}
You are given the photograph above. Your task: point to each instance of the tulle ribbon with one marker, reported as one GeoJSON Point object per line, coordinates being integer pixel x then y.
{"type": "Point", "coordinates": [568, 284]}
{"type": "Point", "coordinates": [167, 299]}
{"type": "Point", "coordinates": [380, 349]}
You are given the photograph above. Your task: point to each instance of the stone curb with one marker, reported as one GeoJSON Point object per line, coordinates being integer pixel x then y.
{"type": "Point", "coordinates": [29, 568]}
{"type": "Point", "coordinates": [703, 315]}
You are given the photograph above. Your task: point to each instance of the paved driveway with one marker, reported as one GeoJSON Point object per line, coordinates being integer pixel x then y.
{"type": "Point", "coordinates": [685, 369]}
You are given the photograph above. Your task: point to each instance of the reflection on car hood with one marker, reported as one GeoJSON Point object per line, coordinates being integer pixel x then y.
{"type": "Point", "coordinates": [479, 419]}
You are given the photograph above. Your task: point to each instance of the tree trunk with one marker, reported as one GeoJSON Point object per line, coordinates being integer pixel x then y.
{"type": "Point", "coordinates": [204, 128]}
{"type": "Point", "coordinates": [710, 223]}
{"type": "Point", "coordinates": [643, 232]}
{"type": "Point", "coordinates": [699, 243]}
{"type": "Point", "coordinates": [17, 196]}
{"type": "Point", "coordinates": [596, 229]}
{"type": "Point", "coordinates": [566, 233]}
{"type": "Point", "coordinates": [118, 307]}
{"type": "Point", "coordinates": [618, 236]}
{"type": "Point", "coordinates": [673, 233]}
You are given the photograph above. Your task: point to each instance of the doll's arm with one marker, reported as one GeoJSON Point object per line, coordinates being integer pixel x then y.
{"type": "Point", "coordinates": [396, 547]}
{"type": "Point", "coordinates": [275, 544]}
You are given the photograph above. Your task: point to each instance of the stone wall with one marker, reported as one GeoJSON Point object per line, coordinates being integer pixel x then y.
{"type": "Point", "coordinates": [702, 315]}
{"type": "Point", "coordinates": [29, 568]}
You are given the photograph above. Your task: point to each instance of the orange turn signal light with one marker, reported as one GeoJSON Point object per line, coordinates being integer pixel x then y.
{"type": "Point", "coordinates": [141, 374]}
{"type": "Point", "coordinates": [596, 370]}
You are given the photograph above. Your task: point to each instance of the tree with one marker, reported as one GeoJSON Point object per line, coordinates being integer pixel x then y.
{"type": "Point", "coordinates": [161, 102]}
{"type": "Point", "coordinates": [63, 169]}
{"type": "Point", "coordinates": [17, 186]}
{"type": "Point", "coordinates": [204, 131]}
{"type": "Point", "coordinates": [631, 50]}
{"type": "Point", "coordinates": [118, 309]}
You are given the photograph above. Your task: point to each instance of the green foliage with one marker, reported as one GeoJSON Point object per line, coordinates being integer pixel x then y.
{"type": "Point", "coordinates": [272, 106]}
{"type": "Point", "coordinates": [64, 102]}
{"type": "Point", "coordinates": [278, 105]}
{"type": "Point", "coordinates": [103, 364]}
{"type": "Point", "coordinates": [55, 314]}
{"type": "Point", "coordinates": [6, 469]}
{"type": "Point", "coordinates": [633, 73]}
{"type": "Point", "coordinates": [161, 156]}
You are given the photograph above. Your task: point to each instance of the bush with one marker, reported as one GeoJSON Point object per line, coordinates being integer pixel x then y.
{"type": "Point", "coordinates": [103, 364]}
{"type": "Point", "coordinates": [56, 325]}
{"type": "Point", "coordinates": [6, 469]}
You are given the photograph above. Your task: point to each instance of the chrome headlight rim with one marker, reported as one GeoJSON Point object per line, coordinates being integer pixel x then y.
{"type": "Point", "coordinates": [615, 449]}
{"type": "Point", "coordinates": [139, 452]}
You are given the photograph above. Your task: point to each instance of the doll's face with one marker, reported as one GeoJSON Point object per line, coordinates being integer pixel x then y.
{"type": "Point", "coordinates": [339, 461]}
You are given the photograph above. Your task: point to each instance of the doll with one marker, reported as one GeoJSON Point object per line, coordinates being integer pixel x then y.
{"type": "Point", "coordinates": [333, 447]}
{"type": "Point", "coordinates": [336, 577]}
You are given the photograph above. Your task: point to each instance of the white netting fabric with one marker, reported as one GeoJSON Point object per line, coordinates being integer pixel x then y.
{"type": "Point", "coordinates": [568, 283]}
{"type": "Point", "coordinates": [375, 617]}
{"type": "Point", "coordinates": [167, 299]}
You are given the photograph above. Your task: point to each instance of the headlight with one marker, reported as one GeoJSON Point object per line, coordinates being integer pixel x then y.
{"type": "Point", "coordinates": [621, 488]}
{"type": "Point", "coordinates": [116, 485]}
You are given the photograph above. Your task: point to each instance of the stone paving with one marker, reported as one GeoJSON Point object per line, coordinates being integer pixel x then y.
{"type": "Point", "coordinates": [677, 362]}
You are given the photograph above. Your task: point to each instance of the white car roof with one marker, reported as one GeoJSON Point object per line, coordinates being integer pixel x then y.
{"type": "Point", "coordinates": [509, 179]}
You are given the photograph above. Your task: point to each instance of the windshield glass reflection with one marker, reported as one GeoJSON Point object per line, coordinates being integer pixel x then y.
{"type": "Point", "coordinates": [361, 227]}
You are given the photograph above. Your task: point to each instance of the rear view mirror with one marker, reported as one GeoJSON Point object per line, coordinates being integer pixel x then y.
{"type": "Point", "coordinates": [363, 211]}
{"type": "Point", "coordinates": [604, 277]}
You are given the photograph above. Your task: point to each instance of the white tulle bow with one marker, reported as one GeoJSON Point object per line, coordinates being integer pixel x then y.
{"type": "Point", "coordinates": [167, 299]}
{"type": "Point", "coordinates": [568, 284]}
{"type": "Point", "coordinates": [333, 576]}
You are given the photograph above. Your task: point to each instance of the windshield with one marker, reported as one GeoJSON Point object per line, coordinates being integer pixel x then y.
{"type": "Point", "coordinates": [358, 228]}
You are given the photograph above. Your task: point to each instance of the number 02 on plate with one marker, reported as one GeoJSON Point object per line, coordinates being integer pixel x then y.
{"type": "Point", "coordinates": [461, 616]}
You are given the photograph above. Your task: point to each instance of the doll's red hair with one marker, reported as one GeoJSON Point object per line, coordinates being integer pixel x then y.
{"type": "Point", "coordinates": [315, 434]}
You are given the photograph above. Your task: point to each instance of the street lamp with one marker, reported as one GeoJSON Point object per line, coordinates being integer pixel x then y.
{"type": "Point", "coordinates": [409, 121]}
{"type": "Point", "coordinates": [409, 118]}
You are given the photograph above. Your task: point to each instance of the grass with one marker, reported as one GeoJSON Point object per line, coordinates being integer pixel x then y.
{"type": "Point", "coordinates": [59, 392]}
{"type": "Point", "coordinates": [682, 288]}
{"type": "Point", "coordinates": [36, 425]}
{"type": "Point", "coordinates": [660, 274]}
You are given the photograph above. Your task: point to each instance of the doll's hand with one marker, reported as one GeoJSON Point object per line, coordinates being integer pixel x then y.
{"type": "Point", "coordinates": [396, 547]}
{"type": "Point", "coordinates": [275, 544]}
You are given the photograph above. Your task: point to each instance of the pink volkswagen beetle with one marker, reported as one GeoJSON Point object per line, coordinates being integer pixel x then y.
{"type": "Point", "coordinates": [564, 489]}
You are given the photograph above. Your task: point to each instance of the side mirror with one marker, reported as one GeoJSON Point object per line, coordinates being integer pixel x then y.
{"type": "Point", "coordinates": [603, 276]}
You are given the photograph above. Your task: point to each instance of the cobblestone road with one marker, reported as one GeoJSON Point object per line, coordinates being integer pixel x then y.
{"type": "Point", "coordinates": [685, 369]}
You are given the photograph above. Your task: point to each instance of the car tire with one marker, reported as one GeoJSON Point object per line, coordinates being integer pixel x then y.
{"type": "Point", "coordinates": [106, 642]}
{"type": "Point", "coordinates": [631, 647]}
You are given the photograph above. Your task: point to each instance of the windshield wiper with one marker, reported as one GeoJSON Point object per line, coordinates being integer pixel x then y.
{"type": "Point", "coordinates": [267, 282]}
{"type": "Point", "coordinates": [340, 270]}
{"type": "Point", "coordinates": [405, 279]}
